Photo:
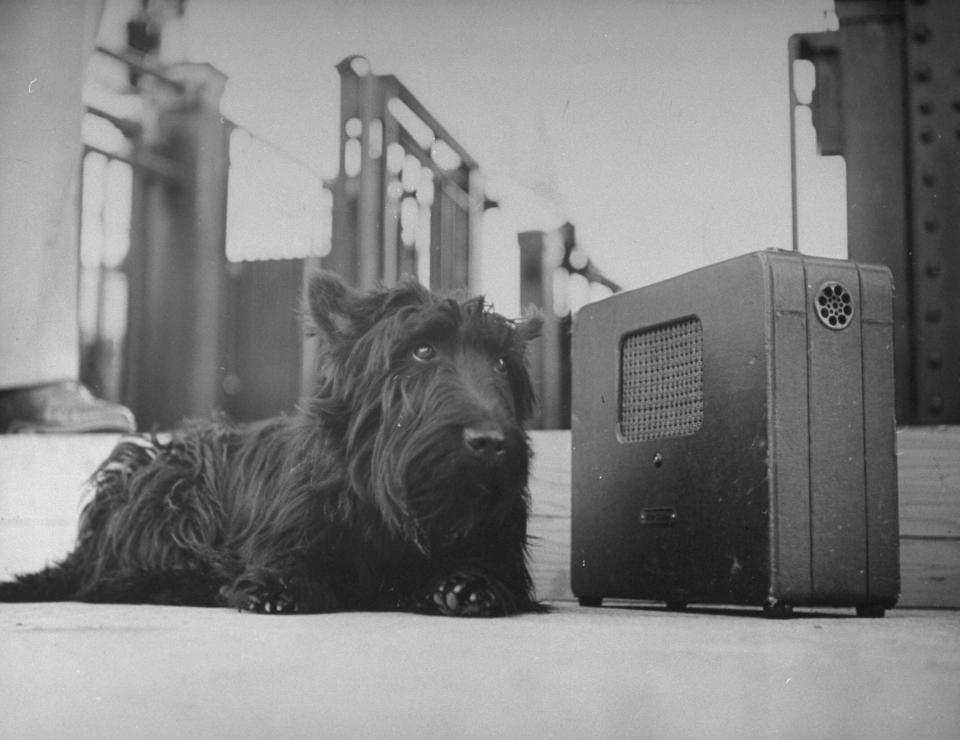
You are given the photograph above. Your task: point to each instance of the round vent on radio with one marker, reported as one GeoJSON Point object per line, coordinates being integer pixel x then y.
{"type": "Point", "coordinates": [834, 305]}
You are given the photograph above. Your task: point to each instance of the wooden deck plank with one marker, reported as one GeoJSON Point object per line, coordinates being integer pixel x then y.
{"type": "Point", "coordinates": [550, 557]}
{"type": "Point", "coordinates": [930, 573]}
{"type": "Point", "coordinates": [928, 460]}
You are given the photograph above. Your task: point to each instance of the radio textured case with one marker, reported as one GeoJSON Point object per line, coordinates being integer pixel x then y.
{"type": "Point", "coordinates": [734, 439]}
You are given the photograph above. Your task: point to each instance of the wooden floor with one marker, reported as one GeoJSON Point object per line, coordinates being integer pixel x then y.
{"type": "Point", "coordinates": [104, 671]}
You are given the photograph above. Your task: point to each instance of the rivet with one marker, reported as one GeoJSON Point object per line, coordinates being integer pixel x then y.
{"type": "Point", "coordinates": [921, 33]}
{"type": "Point", "coordinates": [928, 179]}
{"type": "Point", "coordinates": [925, 107]}
{"type": "Point", "coordinates": [933, 269]}
{"type": "Point", "coordinates": [927, 136]}
{"type": "Point", "coordinates": [923, 73]}
{"type": "Point", "coordinates": [935, 404]}
{"type": "Point", "coordinates": [935, 360]}
{"type": "Point", "coordinates": [930, 225]}
{"type": "Point", "coordinates": [934, 315]}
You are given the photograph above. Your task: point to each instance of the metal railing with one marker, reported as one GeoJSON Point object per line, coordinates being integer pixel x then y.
{"type": "Point", "coordinates": [408, 197]}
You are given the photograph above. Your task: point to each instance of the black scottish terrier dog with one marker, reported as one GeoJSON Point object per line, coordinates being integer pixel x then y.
{"type": "Point", "coordinates": [400, 485]}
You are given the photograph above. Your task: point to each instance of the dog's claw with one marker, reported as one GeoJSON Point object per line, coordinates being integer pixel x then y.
{"type": "Point", "coordinates": [275, 605]}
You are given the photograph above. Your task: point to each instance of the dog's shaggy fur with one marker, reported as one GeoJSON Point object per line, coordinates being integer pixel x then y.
{"type": "Point", "coordinates": [401, 484]}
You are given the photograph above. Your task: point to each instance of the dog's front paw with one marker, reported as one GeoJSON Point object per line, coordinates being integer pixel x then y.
{"type": "Point", "coordinates": [261, 594]}
{"type": "Point", "coordinates": [463, 594]}
{"type": "Point", "coordinates": [266, 592]}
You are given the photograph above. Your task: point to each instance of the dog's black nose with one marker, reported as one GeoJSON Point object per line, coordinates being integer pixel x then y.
{"type": "Point", "coordinates": [486, 442]}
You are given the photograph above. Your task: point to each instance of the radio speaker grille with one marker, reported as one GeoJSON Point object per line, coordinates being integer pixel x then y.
{"type": "Point", "coordinates": [661, 382]}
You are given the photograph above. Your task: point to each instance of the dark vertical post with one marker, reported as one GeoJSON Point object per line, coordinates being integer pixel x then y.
{"type": "Point", "coordinates": [370, 255]}
{"type": "Point", "coordinates": [535, 290]}
{"type": "Point", "coordinates": [209, 157]}
{"type": "Point", "coordinates": [871, 67]}
{"type": "Point", "coordinates": [888, 86]}
{"type": "Point", "coordinates": [177, 263]}
{"type": "Point", "coordinates": [932, 40]}
{"type": "Point", "coordinates": [343, 238]}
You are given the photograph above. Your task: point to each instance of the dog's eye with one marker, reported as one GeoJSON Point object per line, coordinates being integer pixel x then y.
{"type": "Point", "coordinates": [500, 365]}
{"type": "Point", "coordinates": [424, 352]}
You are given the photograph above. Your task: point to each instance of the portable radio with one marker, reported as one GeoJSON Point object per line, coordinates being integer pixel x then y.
{"type": "Point", "coordinates": [734, 439]}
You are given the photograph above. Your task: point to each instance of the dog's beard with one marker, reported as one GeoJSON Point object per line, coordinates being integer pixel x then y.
{"type": "Point", "coordinates": [428, 485]}
{"type": "Point", "coordinates": [450, 493]}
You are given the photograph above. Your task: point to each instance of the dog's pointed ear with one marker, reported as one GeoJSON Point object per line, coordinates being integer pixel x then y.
{"type": "Point", "coordinates": [336, 312]}
{"type": "Point", "coordinates": [529, 327]}
{"type": "Point", "coordinates": [333, 309]}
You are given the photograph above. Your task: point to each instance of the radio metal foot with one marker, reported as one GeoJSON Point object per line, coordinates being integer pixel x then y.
{"type": "Point", "coordinates": [778, 611]}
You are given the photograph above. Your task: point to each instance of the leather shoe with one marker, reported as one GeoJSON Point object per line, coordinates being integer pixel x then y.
{"type": "Point", "coordinates": [61, 408]}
